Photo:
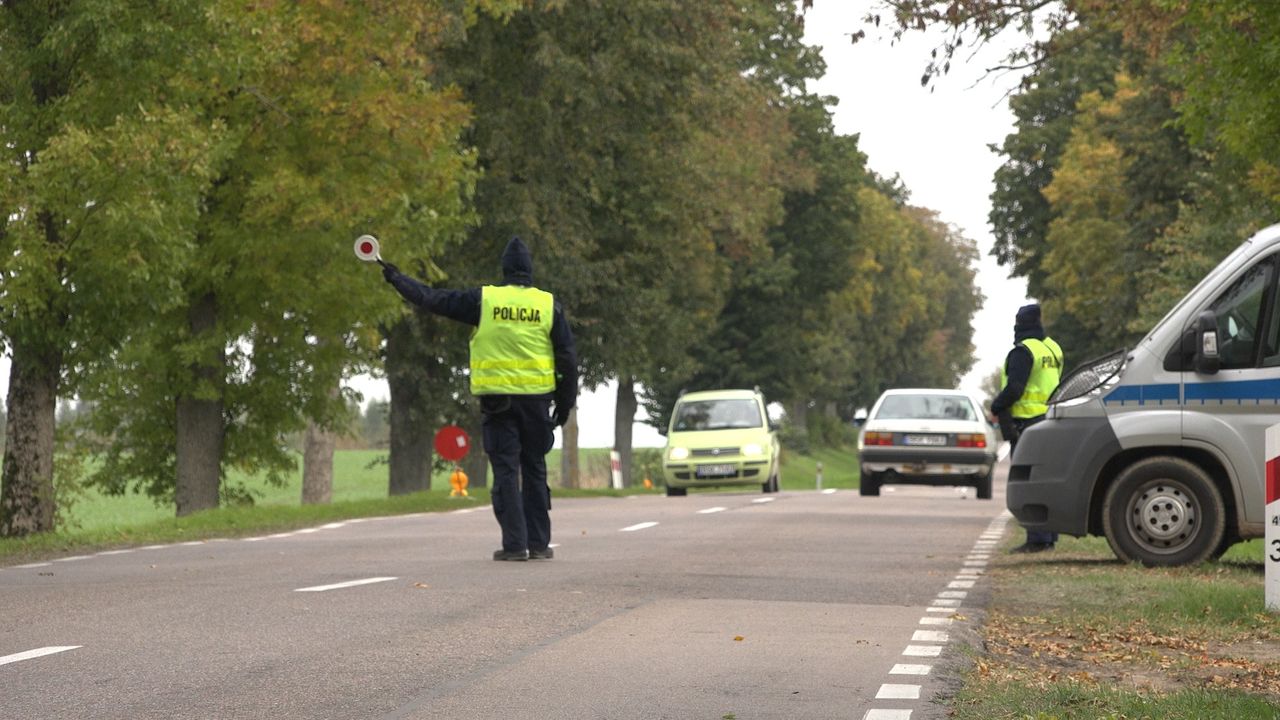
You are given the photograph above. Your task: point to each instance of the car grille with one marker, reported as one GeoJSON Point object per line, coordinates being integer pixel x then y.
{"type": "Point", "coordinates": [715, 452]}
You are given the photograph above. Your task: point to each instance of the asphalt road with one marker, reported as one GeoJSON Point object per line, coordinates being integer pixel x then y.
{"type": "Point", "coordinates": [711, 606]}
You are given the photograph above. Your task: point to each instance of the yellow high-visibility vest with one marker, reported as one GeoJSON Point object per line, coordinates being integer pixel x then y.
{"type": "Point", "coordinates": [511, 351]}
{"type": "Point", "coordinates": [1046, 371]}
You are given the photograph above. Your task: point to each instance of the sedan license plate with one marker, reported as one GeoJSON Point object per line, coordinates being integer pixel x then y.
{"type": "Point", "coordinates": [925, 440]}
{"type": "Point", "coordinates": [715, 470]}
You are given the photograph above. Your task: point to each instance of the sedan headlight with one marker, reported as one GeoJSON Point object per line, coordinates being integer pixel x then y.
{"type": "Point", "coordinates": [678, 453]}
{"type": "Point", "coordinates": [752, 449]}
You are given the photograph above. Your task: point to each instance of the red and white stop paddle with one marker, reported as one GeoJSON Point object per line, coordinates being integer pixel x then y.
{"type": "Point", "coordinates": [367, 249]}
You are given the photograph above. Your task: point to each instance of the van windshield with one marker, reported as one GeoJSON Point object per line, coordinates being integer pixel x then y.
{"type": "Point", "coordinates": [926, 407]}
{"type": "Point", "coordinates": [717, 415]}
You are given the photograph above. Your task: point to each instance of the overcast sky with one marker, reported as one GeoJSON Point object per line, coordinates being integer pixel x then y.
{"type": "Point", "coordinates": [937, 141]}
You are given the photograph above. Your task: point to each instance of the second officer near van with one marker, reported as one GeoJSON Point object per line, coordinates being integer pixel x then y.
{"type": "Point", "coordinates": [522, 359]}
{"type": "Point", "coordinates": [1030, 375]}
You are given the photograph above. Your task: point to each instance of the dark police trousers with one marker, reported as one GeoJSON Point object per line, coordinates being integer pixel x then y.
{"type": "Point", "coordinates": [517, 437]}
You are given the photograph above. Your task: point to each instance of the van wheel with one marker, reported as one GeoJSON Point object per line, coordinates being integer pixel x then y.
{"type": "Point", "coordinates": [983, 485]}
{"type": "Point", "coordinates": [869, 485]}
{"type": "Point", "coordinates": [677, 492]}
{"type": "Point", "coordinates": [1164, 511]}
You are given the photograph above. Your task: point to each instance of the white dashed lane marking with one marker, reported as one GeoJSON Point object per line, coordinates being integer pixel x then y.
{"type": "Point", "coordinates": [710, 510]}
{"type": "Point", "coordinates": [38, 652]}
{"type": "Point", "coordinates": [947, 603]}
{"type": "Point", "coordinates": [638, 526]}
{"type": "Point", "coordinates": [890, 691]}
{"type": "Point", "coordinates": [349, 583]}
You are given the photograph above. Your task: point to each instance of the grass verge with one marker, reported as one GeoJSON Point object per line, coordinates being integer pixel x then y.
{"type": "Point", "coordinates": [1073, 635]}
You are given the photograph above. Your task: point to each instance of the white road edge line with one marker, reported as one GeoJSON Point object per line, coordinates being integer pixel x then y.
{"type": "Point", "coordinates": [38, 652]}
{"type": "Point", "coordinates": [349, 583]}
{"type": "Point", "coordinates": [893, 691]}
{"type": "Point", "coordinates": [878, 714]}
{"type": "Point", "coordinates": [638, 526]}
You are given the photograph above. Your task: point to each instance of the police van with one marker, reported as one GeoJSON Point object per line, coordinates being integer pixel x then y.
{"type": "Point", "coordinates": [1160, 448]}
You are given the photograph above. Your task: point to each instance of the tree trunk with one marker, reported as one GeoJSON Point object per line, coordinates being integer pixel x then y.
{"type": "Point", "coordinates": [27, 502]}
{"type": "Point", "coordinates": [201, 430]}
{"type": "Point", "coordinates": [624, 416]}
{"type": "Point", "coordinates": [410, 434]}
{"type": "Point", "coordinates": [570, 470]}
{"type": "Point", "coordinates": [317, 461]}
{"type": "Point", "coordinates": [798, 414]}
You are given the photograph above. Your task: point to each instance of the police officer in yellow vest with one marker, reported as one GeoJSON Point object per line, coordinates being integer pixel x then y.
{"type": "Point", "coordinates": [1030, 375]}
{"type": "Point", "coordinates": [522, 359]}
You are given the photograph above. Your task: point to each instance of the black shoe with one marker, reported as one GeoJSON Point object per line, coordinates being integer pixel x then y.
{"type": "Point", "coordinates": [543, 554]}
{"type": "Point", "coordinates": [519, 555]}
{"type": "Point", "coordinates": [1032, 547]}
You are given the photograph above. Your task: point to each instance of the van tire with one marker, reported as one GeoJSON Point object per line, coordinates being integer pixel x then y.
{"type": "Point", "coordinates": [1164, 512]}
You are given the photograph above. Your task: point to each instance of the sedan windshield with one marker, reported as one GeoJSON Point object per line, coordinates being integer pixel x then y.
{"type": "Point", "coordinates": [926, 407]}
{"type": "Point", "coordinates": [717, 415]}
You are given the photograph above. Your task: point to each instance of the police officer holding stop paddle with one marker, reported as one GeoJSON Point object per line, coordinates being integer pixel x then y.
{"type": "Point", "coordinates": [522, 359]}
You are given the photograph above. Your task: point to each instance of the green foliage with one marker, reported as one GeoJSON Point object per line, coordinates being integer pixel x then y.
{"type": "Point", "coordinates": [293, 311]}
{"type": "Point", "coordinates": [1145, 149]}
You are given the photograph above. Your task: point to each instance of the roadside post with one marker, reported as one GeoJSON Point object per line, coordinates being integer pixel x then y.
{"type": "Point", "coordinates": [819, 476]}
{"type": "Point", "coordinates": [1272, 548]}
{"type": "Point", "coordinates": [615, 468]}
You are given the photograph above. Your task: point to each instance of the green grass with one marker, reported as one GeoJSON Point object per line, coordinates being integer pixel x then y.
{"type": "Point", "coordinates": [97, 522]}
{"type": "Point", "coordinates": [839, 469]}
{"type": "Point", "coordinates": [1081, 700]}
{"type": "Point", "coordinates": [1075, 634]}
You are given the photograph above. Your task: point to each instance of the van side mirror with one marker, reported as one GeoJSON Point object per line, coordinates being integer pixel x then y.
{"type": "Point", "coordinates": [1206, 328]}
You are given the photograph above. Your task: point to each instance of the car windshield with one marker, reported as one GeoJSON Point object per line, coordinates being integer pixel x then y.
{"type": "Point", "coordinates": [717, 415]}
{"type": "Point", "coordinates": [926, 407]}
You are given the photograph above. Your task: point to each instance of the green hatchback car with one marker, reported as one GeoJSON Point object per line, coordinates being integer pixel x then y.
{"type": "Point", "coordinates": [720, 437]}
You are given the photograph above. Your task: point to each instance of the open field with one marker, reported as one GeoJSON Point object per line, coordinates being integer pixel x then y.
{"type": "Point", "coordinates": [94, 521]}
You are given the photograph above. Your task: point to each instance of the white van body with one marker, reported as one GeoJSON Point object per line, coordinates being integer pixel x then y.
{"type": "Point", "coordinates": [1161, 448]}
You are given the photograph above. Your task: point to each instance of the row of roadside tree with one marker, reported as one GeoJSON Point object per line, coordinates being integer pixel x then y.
{"type": "Point", "coordinates": [183, 180]}
{"type": "Point", "coordinates": [1147, 146]}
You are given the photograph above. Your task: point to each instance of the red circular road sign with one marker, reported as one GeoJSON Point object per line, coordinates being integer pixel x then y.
{"type": "Point", "coordinates": [452, 443]}
{"type": "Point", "coordinates": [367, 248]}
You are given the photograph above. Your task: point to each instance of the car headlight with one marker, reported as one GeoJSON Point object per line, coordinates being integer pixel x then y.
{"type": "Point", "coordinates": [1090, 380]}
{"type": "Point", "coordinates": [752, 449]}
{"type": "Point", "coordinates": [678, 453]}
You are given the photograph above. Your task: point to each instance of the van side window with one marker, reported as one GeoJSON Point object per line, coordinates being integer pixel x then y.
{"type": "Point", "coordinates": [1247, 325]}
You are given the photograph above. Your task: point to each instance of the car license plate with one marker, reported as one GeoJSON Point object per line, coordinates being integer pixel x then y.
{"type": "Point", "coordinates": [716, 470]}
{"type": "Point", "coordinates": [925, 440]}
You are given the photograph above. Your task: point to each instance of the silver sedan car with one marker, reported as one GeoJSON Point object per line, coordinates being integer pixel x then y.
{"type": "Point", "coordinates": [926, 436]}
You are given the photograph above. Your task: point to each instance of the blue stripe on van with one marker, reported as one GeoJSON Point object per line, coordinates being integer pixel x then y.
{"type": "Point", "coordinates": [1229, 391]}
{"type": "Point", "coordinates": [1239, 390]}
{"type": "Point", "coordinates": [1143, 394]}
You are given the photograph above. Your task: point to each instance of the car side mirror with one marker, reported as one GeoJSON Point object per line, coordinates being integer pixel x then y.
{"type": "Point", "coordinates": [1206, 338]}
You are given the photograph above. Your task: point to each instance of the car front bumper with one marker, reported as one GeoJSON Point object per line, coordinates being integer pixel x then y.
{"type": "Point", "coordinates": [718, 471]}
{"type": "Point", "coordinates": [1053, 472]}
